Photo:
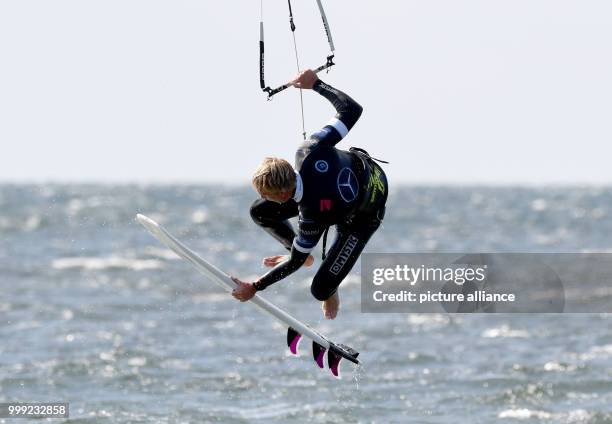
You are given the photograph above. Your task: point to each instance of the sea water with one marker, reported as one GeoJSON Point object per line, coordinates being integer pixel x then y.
{"type": "Point", "coordinates": [95, 312]}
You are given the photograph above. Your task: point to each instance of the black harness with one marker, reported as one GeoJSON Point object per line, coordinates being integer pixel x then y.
{"type": "Point", "coordinates": [367, 170]}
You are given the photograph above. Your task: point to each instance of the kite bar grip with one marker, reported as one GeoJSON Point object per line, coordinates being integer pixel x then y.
{"type": "Point", "coordinates": [271, 92]}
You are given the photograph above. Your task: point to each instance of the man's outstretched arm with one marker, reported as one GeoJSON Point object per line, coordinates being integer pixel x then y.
{"type": "Point", "coordinates": [308, 236]}
{"type": "Point", "coordinates": [348, 110]}
{"type": "Point", "coordinates": [245, 291]}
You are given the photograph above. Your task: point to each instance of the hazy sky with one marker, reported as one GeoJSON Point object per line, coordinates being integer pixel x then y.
{"type": "Point", "coordinates": [167, 91]}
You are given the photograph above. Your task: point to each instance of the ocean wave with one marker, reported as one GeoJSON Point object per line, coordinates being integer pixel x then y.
{"type": "Point", "coordinates": [200, 216]}
{"type": "Point", "coordinates": [504, 331]}
{"type": "Point", "coordinates": [554, 366]}
{"type": "Point", "coordinates": [96, 264]}
{"type": "Point", "coordinates": [604, 351]}
{"type": "Point", "coordinates": [428, 319]}
{"type": "Point", "coordinates": [577, 415]}
{"type": "Point", "coordinates": [162, 253]}
{"type": "Point", "coordinates": [29, 224]}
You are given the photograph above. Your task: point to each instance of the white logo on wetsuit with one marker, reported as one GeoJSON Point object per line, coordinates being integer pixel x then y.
{"type": "Point", "coordinates": [321, 166]}
{"type": "Point", "coordinates": [344, 255]}
{"type": "Point", "coordinates": [348, 185]}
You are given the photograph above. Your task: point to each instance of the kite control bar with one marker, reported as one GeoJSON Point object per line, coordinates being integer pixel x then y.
{"type": "Point", "coordinates": [271, 92]}
{"type": "Point", "coordinates": [328, 64]}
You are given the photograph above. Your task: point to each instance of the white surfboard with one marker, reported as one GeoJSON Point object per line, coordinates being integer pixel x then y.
{"type": "Point", "coordinates": [297, 329]}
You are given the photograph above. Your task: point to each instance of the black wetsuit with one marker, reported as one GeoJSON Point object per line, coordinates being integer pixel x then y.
{"type": "Point", "coordinates": [334, 187]}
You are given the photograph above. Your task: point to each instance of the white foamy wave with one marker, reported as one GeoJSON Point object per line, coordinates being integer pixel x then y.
{"type": "Point", "coordinates": [32, 223]}
{"type": "Point", "coordinates": [5, 223]}
{"type": "Point", "coordinates": [578, 415]}
{"type": "Point", "coordinates": [575, 416]}
{"type": "Point", "coordinates": [137, 361]}
{"type": "Point", "coordinates": [604, 351]}
{"type": "Point", "coordinates": [210, 297]}
{"type": "Point", "coordinates": [162, 253]}
{"type": "Point", "coordinates": [554, 366]}
{"type": "Point", "coordinates": [93, 263]}
{"type": "Point", "coordinates": [74, 207]}
{"type": "Point", "coordinates": [428, 319]}
{"type": "Point", "coordinates": [176, 364]}
{"type": "Point", "coordinates": [539, 205]}
{"type": "Point", "coordinates": [524, 414]}
{"type": "Point", "coordinates": [200, 216]}
{"type": "Point", "coordinates": [243, 256]}
{"type": "Point", "coordinates": [504, 331]}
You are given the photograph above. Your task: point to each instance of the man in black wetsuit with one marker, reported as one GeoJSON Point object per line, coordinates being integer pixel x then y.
{"type": "Point", "coordinates": [328, 187]}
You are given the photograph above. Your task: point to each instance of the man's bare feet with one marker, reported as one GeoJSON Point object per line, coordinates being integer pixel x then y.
{"type": "Point", "coordinates": [331, 306]}
{"type": "Point", "coordinates": [271, 261]}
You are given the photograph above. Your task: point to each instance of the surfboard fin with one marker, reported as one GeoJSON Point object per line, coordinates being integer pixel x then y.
{"type": "Point", "coordinates": [335, 355]}
{"type": "Point", "coordinates": [293, 340]}
{"type": "Point", "coordinates": [318, 352]}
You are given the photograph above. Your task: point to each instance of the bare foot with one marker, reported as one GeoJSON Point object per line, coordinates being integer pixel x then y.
{"type": "Point", "coordinates": [331, 306]}
{"type": "Point", "coordinates": [271, 261]}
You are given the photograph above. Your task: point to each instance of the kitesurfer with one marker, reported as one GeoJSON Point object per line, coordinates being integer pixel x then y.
{"type": "Point", "coordinates": [328, 187]}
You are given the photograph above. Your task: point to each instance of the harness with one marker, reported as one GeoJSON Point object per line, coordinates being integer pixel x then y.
{"type": "Point", "coordinates": [373, 192]}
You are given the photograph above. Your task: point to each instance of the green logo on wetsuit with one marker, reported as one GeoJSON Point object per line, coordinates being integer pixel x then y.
{"type": "Point", "coordinates": [375, 184]}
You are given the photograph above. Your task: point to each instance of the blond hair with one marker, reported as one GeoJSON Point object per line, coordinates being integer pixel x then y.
{"type": "Point", "coordinates": [273, 176]}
